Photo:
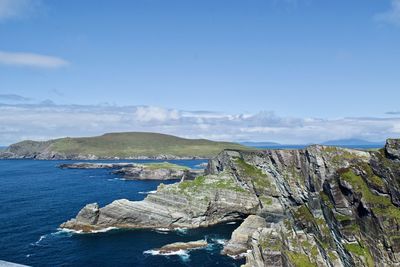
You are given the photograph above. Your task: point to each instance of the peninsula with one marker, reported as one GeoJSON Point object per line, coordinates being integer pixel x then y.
{"type": "Point", "coordinates": [129, 145]}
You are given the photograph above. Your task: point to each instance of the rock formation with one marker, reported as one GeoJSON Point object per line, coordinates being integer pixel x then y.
{"type": "Point", "coordinates": [319, 206]}
{"type": "Point", "coordinates": [135, 171]}
{"type": "Point", "coordinates": [181, 246]}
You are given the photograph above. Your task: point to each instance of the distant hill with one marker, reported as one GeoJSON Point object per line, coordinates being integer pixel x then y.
{"type": "Point", "coordinates": [352, 142]}
{"type": "Point", "coordinates": [119, 145]}
{"type": "Point", "coordinates": [260, 144]}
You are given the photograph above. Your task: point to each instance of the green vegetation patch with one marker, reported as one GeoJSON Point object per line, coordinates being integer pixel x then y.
{"type": "Point", "coordinates": [332, 256]}
{"type": "Point", "coordinates": [371, 176]}
{"type": "Point", "coordinates": [380, 205]}
{"type": "Point", "coordinates": [299, 259]}
{"type": "Point", "coordinates": [260, 179]}
{"type": "Point", "coordinates": [202, 183]}
{"type": "Point", "coordinates": [266, 201]}
{"type": "Point", "coordinates": [165, 165]}
{"type": "Point", "coordinates": [304, 214]}
{"type": "Point", "coordinates": [140, 144]}
{"type": "Point", "coordinates": [358, 250]}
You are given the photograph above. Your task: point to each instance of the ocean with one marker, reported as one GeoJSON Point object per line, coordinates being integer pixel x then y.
{"type": "Point", "coordinates": [37, 196]}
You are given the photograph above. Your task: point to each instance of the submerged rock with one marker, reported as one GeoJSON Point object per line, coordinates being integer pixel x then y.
{"type": "Point", "coordinates": [178, 246]}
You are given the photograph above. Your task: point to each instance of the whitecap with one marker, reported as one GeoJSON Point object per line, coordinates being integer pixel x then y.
{"type": "Point", "coordinates": [69, 232]}
{"type": "Point", "coordinates": [156, 252]}
{"type": "Point", "coordinates": [239, 256]}
{"type": "Point", "coordinates": [183, 254]}
{"type": "Point", "coordinates": [147, 192]}
{"type": "Point", "coordinates": [181, 230]}
{"type": "Point", "coordinates": [102, 230]}
{"type": "Point", "coordinates": [37, 243]}
{"type": "Point", "coordinates": [219, 241]}
{"type": "Point", "coordinates": [163, 229]}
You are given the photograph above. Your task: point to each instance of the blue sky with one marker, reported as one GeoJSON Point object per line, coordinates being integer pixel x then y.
{"type": "Point", "coordinates": [303, 60]}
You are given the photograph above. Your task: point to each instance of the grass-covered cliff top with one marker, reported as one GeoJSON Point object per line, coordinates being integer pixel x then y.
{"type": "Point", "coordinates": [128, 144]}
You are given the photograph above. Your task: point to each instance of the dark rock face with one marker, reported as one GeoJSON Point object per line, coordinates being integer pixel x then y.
{"type": "Point", "coordinates": [393, 148]}
{"type": "Point", "coordinates": [319, 206]}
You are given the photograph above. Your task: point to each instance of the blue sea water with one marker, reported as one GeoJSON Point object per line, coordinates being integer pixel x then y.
{"type": "Point", "coordinates": [36, 197]}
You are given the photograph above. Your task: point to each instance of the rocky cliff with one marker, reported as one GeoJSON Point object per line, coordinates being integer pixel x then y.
{"type": "Point", "coordinates": [320, 206]}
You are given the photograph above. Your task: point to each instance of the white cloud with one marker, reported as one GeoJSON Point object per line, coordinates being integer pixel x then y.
{"type": "Point", "coordinates": [17, 8]}
{"type": "Point", "coordinates": [149, 113]}
{"type": "Point", "coordinates": [43, 121]}
{"type": "Point", "coordinates": [391, 16]}
{"type": "Point", "coordinates": [31, 60]}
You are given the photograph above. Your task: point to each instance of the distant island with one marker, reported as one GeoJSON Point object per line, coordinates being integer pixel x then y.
{"type": "Point", "coordinates": [128, 145]}
{"type": "Point", "coordinates": [346, 143]}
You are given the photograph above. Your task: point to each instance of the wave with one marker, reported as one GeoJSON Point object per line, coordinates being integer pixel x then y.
{"type": "Point", "coordinates": [182, 231]}
{"type": "Point", "coordinates": [239, 256]}
{"type": "Point", "coordinates": [219, 241]}
{"type": "Point", "coordinates": [183, 254]}
{"type": "Point", "coordinates": [147, 192]}
{"type": "Point", "coordinates": [62, 231]}
{"type": "Point", "coordinates": [41, 238]}
{"type": "Point", "coordinates": [156, 252]}
{"type": "Point", "coordinates": [116, 179]}
{"type": "Point", "coordinates": [231, 223]}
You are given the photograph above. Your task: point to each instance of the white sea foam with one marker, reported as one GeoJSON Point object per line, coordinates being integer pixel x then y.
{"type": "Point", "coordinates": [147, 192]}
{"type": "Point", "coordinates": [40, 239]}
{"type": "Point", "coordinates": [102, 230]}
{"type": "Point", "coordinates": [239, 256]}
{"type": "Point", "coordinates": [181, 230]}
{"type": "Point", "coordinates": [156, 252]}
{"type": "Point", "coordinates": [70, 231]}
{"type": "Point", "coordinates": [163, 229]}
{"type": "Point", "coordinates": [219, 241]}
{"type": "Point", "coordinates": [37, 243]}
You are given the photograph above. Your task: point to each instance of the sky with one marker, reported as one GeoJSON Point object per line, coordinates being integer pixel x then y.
{"type": "Point", "coordinates": [289, 71]}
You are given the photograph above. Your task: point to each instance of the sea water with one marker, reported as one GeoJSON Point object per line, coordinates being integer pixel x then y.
{"type": "Point", "coordinates": [36, 197]}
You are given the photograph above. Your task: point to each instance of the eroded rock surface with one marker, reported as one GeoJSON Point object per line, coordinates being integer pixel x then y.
{"type": "Point", "coordinates": [319, 206]}
{"type": "Point", "coordinates": [178, 246]}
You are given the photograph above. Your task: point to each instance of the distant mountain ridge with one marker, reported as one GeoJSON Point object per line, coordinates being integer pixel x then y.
{"type": "Point", "coordinates": [352, 142]}
{"type": "Point", "coordinates": [349, 143]}
{"type": "Point", "coordinates": [128, 145]}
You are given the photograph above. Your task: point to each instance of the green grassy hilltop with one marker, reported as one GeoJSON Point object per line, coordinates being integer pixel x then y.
{"type": "Point", "coordinates": [129, 144]}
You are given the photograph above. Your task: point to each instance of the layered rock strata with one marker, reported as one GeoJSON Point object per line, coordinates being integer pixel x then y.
{"type": "Point", "coordinates": [319, 206]}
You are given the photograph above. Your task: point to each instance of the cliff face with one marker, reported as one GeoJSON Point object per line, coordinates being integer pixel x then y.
{"type": "Point", "coordinates": [321, 206]}
{"type": "Point", "coordinates": [341, 206]}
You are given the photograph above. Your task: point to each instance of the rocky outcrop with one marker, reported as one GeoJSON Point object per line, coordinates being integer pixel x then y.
{"type": "Point", "coordinates": [239, 242]}
{"type": "Point", "coordinates": [181, 246]}
{"type": "Point", "coordinates": [162, 173]}
{"type": "Point", "coordinates": [319, 206]}
{"type": "Point", "coordinates": [135, 171]}
{"type": "Point", "coordinates": [188, 204]}
{"type": "Point", "coordinates": [92, 165]}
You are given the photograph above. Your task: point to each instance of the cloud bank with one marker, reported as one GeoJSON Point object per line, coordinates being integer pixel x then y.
{"type": "Point", "coordinates": [31, 60]}
{"type": "Point", "coordinates": [46, 120]}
